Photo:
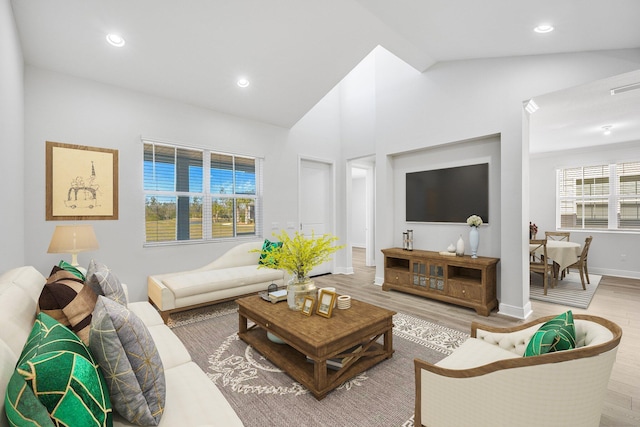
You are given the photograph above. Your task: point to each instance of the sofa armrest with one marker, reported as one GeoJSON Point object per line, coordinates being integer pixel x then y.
{"type": "Point", "coordinates": [513, 391]}
{"type": "Point", "coordinates": [159, 294]}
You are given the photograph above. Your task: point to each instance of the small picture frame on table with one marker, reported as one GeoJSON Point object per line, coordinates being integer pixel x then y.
{"type": "Point", "coordinates": [307, 306]}
{"type": "Point", "coordinates": [326, 301]}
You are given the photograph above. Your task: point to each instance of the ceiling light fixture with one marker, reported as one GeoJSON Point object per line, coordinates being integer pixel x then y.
{"type": "Point", "coordinates": [625, 88]}
{"type": "Point", "coordinates": [115, 40]}
{"type": "Point", "coordinates": [531, 106]}
{"type": "Point", "coordinates": [607, 129]}
{"type": "Point", "coordinates": [243, 82]}
{"type": "Point", "coordinates": [544, 28]}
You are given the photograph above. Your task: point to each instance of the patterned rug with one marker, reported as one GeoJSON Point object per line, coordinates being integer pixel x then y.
{"type": "Point", "coordinates": [263, 395]}
{"type": "Point", "coordinates": [568, 291]}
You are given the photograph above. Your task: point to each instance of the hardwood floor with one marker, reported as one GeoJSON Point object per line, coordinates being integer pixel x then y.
{"type": "Point", "coordinates": [617, 299]}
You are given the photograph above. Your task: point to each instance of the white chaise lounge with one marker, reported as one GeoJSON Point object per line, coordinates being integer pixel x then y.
{"type": "Point", "coordinates": [234, 274]}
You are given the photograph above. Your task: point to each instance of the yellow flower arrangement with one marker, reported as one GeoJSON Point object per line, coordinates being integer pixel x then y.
{"type": "Point", "coordinates": [298, 255]}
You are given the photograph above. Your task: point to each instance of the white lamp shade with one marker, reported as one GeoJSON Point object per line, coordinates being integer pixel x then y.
{"type": "Point", "coordinates": [73, 239]}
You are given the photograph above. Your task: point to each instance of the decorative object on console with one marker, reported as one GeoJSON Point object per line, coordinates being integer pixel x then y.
{"type": "Point", "coordinates": [451, 248]}
{"type": "Point", "coordinates": [73, 239]}
{"type": "Point", "coordinates": [405, 240]}
{"type": "Point", "coordinates": [533, 230]}
{"type": "Point", "coordinates": [409, 240]}
{"type": "Point", "coordinates": [298, 256]}
{"type": "Point", "coordinates": [460, 246]}
{"type": "Point", "coordinates": [474, 221]}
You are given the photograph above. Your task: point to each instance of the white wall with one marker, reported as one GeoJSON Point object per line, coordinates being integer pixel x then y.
{"type": "Point", "coordinates": [462, 100]}
{"type": "Point", "coordinates": [12, 249]}
{"type": "Point", "coordinates": [437, 237]}
{"type": "Point", "coordinates": [65, 109]}
{"type": "Point", "coordinates": [613, 253]}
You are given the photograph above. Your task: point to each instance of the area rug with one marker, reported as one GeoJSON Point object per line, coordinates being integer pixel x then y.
{"type": "Point", "coordinates": [263, 395]}
{"type": "Point", "coordinates": [568, 291]}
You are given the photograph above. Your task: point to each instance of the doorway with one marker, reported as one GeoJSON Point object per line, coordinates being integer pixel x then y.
{"type": "Point", "coordinates": [316, 198]}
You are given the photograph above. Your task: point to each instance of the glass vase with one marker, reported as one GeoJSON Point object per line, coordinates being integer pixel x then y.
{"type": "Point", "coordinates": [297, 290]}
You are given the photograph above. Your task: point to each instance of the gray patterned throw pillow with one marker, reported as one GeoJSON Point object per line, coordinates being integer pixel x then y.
{"type": "Point", "coordinates": [104, 282]}
{"type": "Point", "coordinates": [127, 354]}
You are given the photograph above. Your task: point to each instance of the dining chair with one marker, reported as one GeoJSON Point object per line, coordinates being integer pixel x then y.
{"type": "Point", "coordinates": [562, 236]}
{"type": "Point", "coordinates": [557, 235]}
{"type": "Point", "coordinates": [581, 264]}
{"type": "Point", "coordinates": [541, 264]}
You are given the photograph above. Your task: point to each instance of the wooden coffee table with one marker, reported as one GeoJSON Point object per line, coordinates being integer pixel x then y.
{"type": "Point", "coordinates": [318, 338]}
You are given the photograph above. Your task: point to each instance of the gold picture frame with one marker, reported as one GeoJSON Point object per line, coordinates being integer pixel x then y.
{"type": "Point", "coordinates": [326, 301]}
{"type": "Point", "coordinates": [307, 306]}
{"type": "Point", "coordinates": [81, 182]}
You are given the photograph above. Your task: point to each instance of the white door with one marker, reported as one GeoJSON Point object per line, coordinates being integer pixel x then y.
{"type": "Point", "coordinates": [316, 203]}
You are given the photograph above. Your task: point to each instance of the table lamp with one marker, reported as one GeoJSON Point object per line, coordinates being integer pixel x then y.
{"type": "Point", "coordinates": [73, 239]}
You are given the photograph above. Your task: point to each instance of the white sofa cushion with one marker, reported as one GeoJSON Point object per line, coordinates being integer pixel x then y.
{"type": "Point", "coordinates": [193, 400]}
{"type": "Point", "coordinates": [474, 352]}
{"type": "Point", "coordinates": [172, 351]}
{"type": "Point", "coordinates": [202, 282]}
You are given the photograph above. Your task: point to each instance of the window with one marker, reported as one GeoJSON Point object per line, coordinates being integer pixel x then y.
{"type": "Point", "coordinates": [199, 195]}
{"type": "Point", "coordinates": [600, 197]}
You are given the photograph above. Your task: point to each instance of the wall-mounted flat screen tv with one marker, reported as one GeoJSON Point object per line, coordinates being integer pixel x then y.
{"type": "Point", "coordinates": [448, 195]}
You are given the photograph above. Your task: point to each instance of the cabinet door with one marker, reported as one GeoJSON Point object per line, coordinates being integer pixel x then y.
{"type": "Point", "coordinates": [419, 274]}
{"type": "Point", "coordinates": [436, 277]}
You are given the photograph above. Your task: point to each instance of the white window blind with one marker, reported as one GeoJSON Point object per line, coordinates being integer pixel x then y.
{"type": "Point", "coordinates": [194, 194]}
{"type": "Point", "coordinates": [599, 197]}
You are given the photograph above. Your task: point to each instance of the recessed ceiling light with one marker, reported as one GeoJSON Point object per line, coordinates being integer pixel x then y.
{"type": "Point", "coordinates": [607, 129]}
{"type": "Point", "coordinates": [243, 82]}
{"type": "Point", "coordinates": [115, 40]}
{"type": "Point", "coordinates": [544, 28]}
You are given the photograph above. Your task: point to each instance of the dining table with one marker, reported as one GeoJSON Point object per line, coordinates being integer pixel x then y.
{"type": "Point", "coordinates": [562, 252]}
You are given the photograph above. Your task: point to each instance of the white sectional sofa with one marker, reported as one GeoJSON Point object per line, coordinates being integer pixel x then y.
{"type": "Point", "coordinates": [191, 397]}
{"type": "Point", "coordinates": [234, 274]}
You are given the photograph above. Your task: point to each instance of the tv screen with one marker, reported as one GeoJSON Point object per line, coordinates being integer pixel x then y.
{"type": "Point", "coordinates": [448, 195]}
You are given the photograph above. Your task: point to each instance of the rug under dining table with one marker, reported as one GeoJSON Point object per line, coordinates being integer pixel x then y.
{"type": "Point", "coordinates": [568, 291]}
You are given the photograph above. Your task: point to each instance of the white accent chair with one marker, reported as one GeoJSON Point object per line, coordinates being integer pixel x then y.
{"type": "Point", "coordinates": [488, 382]}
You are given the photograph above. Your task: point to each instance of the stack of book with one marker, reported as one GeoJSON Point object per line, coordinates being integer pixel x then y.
{"type": "Point", "coordinates": [339, 362]}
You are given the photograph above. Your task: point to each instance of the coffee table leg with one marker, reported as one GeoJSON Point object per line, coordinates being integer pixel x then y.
{"type": "Point", "coordinates": [320, 374]}
{"type": "Point", "coordinates": [388, 343]}
{"type": "Point", "coordinates": [242, 323]}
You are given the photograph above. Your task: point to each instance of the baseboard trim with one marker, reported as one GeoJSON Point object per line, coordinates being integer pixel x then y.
{"type": "Point", "coordinates": [517, 312]}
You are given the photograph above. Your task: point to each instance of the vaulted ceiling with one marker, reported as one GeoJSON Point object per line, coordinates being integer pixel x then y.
{"type": "Point", "coordinates": [295, 51]}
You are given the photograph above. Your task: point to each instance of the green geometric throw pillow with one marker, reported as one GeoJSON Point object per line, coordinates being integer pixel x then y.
{"type": "Point", "coordinates": [56, 381]}
{"type": "Point", "coordinates": [267, 247]}
{"type": "Point", "coordinates": [555, 335]}
{"type": "Point", "coordinates": [70, 268]}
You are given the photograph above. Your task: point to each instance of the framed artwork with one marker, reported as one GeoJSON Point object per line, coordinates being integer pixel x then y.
{"type": "Point", "coordinates": [326, 301]}
{"type": "Point", "coordinates": [307, 306]}
{"type": "Point", "coordinates": [81, 182]}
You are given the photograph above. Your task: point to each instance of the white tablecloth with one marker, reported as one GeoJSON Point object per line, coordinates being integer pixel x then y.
{"type": "Point", "coordinates": [562, 253]}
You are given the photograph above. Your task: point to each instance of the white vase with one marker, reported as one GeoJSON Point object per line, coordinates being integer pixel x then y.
{"type": "Point", "coordinates": [474, 241]}
{"type": "Point", "coordinates": [460, 246]}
